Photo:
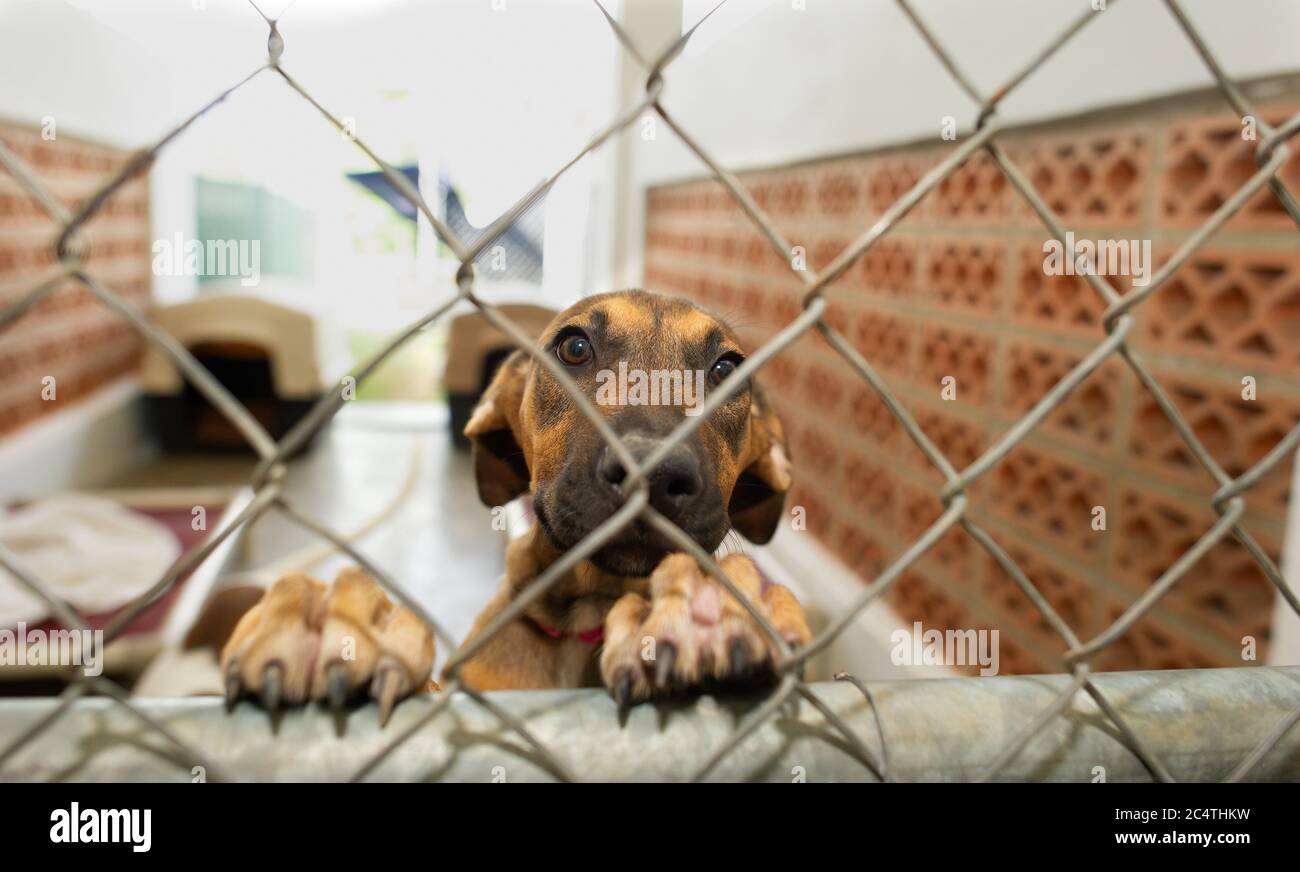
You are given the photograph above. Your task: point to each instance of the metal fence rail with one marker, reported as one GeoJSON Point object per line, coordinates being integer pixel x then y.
{"type": "Point", "coordinates": [1201, 720]}
{"type": "Point", "coordinates": [1118, 321]}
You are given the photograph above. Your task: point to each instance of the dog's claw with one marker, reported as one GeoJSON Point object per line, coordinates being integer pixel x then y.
{"type": "Point", "coordinates": [739, 658]}
{"type": "Point", "coordinates": [336, 680]}
{"type": "Point", "coordinates": [384, 688]}
{"type": "Point", "coordinates": [623, 691]}
{"type": "Point", "coordinates": [665, 656]}
{"type": "Point", "coordinates": [272, 686]}
{"type": "Point", "coordinates": [234, 688]}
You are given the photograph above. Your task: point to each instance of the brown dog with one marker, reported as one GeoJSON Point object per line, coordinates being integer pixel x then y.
{"type": "Point", "coordinates": [636, 617]}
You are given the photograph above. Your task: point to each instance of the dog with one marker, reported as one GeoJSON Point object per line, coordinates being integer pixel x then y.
{"type": "Point", "coordinates": [638, 616]}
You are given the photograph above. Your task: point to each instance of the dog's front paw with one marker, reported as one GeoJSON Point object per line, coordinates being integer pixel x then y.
{"type": "Point", "coordinates": [305, 641]}
{"type": "Point", "coordinates": [692, 634]}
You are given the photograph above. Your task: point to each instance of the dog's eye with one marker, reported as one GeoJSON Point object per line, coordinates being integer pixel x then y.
{"type": "Point", "coordinates": [723, 368]}
{"type": "Point", "coordinates": [574, 350]}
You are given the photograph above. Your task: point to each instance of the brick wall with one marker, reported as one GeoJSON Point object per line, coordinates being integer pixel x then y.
{"type": "Point", "coordinates": [959, 289]}
{"type": "Point", "coordinates": [69, 335]}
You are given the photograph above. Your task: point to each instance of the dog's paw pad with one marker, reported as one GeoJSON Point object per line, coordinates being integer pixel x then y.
{"type": "Point", "coordinates": [305, 641]}
{"type": "Point", "coordinates": [692, 634]}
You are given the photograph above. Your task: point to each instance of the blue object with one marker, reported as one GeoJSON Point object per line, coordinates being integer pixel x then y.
{"type": "Point", "coordinates": [521, 245]}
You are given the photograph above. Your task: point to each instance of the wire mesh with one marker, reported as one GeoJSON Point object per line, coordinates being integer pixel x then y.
{"type": "Point", "coordinates": [269, 476]}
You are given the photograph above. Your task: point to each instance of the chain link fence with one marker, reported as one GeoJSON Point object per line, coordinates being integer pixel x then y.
{"type": "Point", "coordinates": [269, 477]}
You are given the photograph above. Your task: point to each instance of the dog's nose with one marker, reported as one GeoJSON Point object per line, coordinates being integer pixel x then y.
{"type": "Point", "coordinates": [674, 482]}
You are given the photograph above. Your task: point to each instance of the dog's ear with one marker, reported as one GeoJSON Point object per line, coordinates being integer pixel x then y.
{"type": "Point", "coordinates": [500, 468]}
{"type": "Point", "coordinates": [758, 499]}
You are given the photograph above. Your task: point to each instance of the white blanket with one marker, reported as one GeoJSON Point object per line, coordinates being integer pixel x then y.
{"type": "Point", "coordinates": [92, 552]}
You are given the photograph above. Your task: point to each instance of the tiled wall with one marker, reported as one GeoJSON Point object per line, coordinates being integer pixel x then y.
{"type": "Point", "coordinates": [70, 335]}
{"type": "Point", "coordinates": [959, 289]}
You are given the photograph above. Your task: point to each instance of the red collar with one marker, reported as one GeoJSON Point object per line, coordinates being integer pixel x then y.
{"type": "Point", "coordinates": [594, 636]}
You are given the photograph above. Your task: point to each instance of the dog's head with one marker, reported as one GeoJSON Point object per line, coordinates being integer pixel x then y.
{"type": "Point", "coordinates": [642, 359]}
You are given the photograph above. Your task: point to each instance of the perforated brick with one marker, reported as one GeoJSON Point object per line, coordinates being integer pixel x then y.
{"type": "Point", "coordinates": [872, 489]}
{"type": "Point", "coordinates": [963, 275]}
{"type": "Point", "coordinates": [787, 194]}
{"type": "Point", "coordinates": [916, 599]}
{"type": "Point", "coordinates": [1049, 497]}
{"type": "Point", "coordinates": [783, 307]}
{"type": "Point", "coordinates": [961, 288]}
{"type": "Point", "coordinates": [954, 553]}
{"type": "Point", "coordinates": [1207, 160]}
{"type": "Point", "coordinates": [976, 193]}
{"type": "Point", "coordinates": [1069, 594]}
{"type": "Point", "coordinates": [840, 193]}
{"type": "Point", "coordinates": [1225, 590]}
{"type": "Point", "coordinates": [884, 340]}
{"type": "Point", "coordinates": [1231, 306]}
{"type": "Point", "coordinates": [964, 355]}
{"type": "Point", "coordinates": [1086, 179]}
{"type": "Point", "coordinates": [889, 267]}
{"type": "Point", "coordinates": [817, 452]}
{"type": "Point", "coordinates": [856, 542]}
{"type": "Point", "coordinates": [780, 374]}
{"type": "Point", "coordinates": [840, 319]}
{"type": "Point", "coordinates": [1151, 644]}
{"type": "Point", "coordinates": [822, 251]}
{"type": "Point", "coordinates": [824, 387]}
{"type": "Point", "coordinates": [1090, 413]}
{"type": "Point", "coordinates": [1058, 303]}
{"type": "Point", "coordinates": [870, 419]}
{"type": "Point", "coordinates": [961, 441]}
{"type": "Point", "coordinates": [890, 177]}
{"type": "Point", "coordinates": [69, 335]}
{"type": "Point", "coordinates": [1236, 432]}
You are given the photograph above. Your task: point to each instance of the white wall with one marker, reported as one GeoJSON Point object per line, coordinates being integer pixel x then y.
{"type": "Point", "coordinates": [499, 96]}
{"type": "Point", "coordinates": [763, 83]}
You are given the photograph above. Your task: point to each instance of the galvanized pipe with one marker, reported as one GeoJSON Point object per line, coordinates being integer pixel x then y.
{"type": "Point", "coordinates": [1199, 723]}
